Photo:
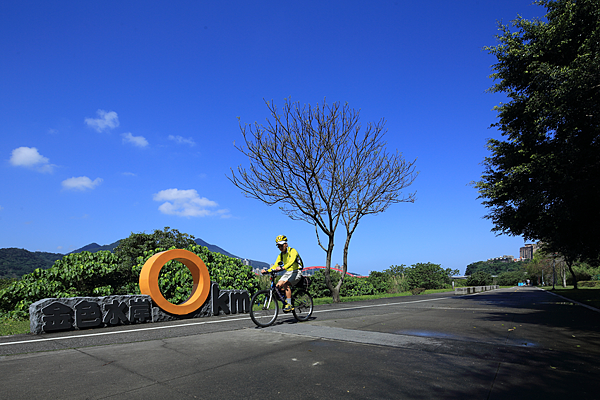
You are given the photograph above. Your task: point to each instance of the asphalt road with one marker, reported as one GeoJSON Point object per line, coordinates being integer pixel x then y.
{"type": "Point", "coordinates": [506, 344]}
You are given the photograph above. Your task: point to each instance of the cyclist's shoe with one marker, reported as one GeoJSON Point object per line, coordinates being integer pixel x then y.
{"type": "Point", "coordinates": [288, 308]}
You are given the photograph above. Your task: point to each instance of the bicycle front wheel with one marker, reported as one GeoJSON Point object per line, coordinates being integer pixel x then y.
{"type": "Point", "coordinates": [303, 305]}
{"type": "Point", "coordinates": [264, 308]}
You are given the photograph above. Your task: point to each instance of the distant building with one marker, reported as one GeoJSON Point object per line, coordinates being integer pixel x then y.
{"type": "Point", "coordinates": [504, 258]}
{"type": "Point", "coordinates": [527, 252]}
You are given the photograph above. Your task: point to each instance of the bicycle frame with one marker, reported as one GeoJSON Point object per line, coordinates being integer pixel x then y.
{"type": "Point", "coordinates": [264, 306]}
{"type": "Point", "coordinates": [280, 295]}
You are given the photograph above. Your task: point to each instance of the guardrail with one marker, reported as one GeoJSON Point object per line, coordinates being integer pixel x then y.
{"type": "Point", "coordinates": [474, 289]}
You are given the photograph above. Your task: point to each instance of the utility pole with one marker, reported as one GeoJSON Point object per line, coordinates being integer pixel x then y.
{"type": "Point", "coordinates": [553, 270]}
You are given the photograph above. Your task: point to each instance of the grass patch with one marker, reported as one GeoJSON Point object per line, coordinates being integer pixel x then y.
{"type": "Point", "coordinates": [588, 295]}
{"type": "Point", "coordinates": [329, 300]}
{"type": "Point", "coordinates": [13, 326]}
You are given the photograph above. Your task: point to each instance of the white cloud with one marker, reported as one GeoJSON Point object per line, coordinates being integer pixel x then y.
{"type": "Point", "coordinates": [186, 203]}
{"type": "Point", "coordinates": [30, 157]}
{"type": "Point", "coordinates": [80, 183]}
{"type": "Point", "coordinates": [182, 140]}
{"type": "Point", "coordinates": [138, 141]}
{"type": "Point", "coordinates": [107, 120]}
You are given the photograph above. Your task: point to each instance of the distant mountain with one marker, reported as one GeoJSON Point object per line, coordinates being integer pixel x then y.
{"type": "Point", "coordinates": [213, 248]}
{"type": "Point", "coordinates": [95, 247]}
{"type": "Point", "coordinates": [217, 249]}
{"type": "Point", "coordinates": [15, 263]}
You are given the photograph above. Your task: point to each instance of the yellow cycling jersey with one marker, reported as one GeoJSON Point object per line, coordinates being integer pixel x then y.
{"type": "Point", "coordinates": [291, 260]}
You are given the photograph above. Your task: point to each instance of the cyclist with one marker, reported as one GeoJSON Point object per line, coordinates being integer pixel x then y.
{"type": "Point", "coordinates": [290, 261]}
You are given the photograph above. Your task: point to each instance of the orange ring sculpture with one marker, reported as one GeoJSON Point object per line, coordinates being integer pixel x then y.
{"type": "Point", "coordinates": [200, 290]}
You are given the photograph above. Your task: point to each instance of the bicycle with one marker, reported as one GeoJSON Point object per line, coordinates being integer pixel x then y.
{"type": "Point", "coordinates": [264, 306]}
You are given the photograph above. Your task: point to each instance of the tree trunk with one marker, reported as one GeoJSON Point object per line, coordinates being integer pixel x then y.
{"type": "Point", "coordinates": [570, 264]}
{"type": "Point", "coordinates": [336, 294]}
{"type": "Point", "coordinates": [335, 291]}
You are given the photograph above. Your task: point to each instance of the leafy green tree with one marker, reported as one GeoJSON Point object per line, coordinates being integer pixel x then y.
{"type": "Point", "coordinates": [395, 270]}
{"type": "Point", "coordinates": [541, 182]}
{"type": "Point", "coordinates": [427, 276]}
{"type": "Point", "coordinates": [494, 267]}
{"type": "Point", "coordinates": [543, 266]}
{"type": "Point", "coordinates": [130, 248]}
{"type": "Point", "coordinates": [134, 246]}
{"type": "Point", "coordinates": [510, 278]}
{"type": "Point", "coordinates": [449, 272]}
{"type": "Point", "coordinates": [479, 279]}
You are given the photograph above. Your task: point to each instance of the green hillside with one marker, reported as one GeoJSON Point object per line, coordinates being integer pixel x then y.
{"type": "Point", "coordinates": [15, 263]}
{"type": "Point", "coordinates": [494, 267]}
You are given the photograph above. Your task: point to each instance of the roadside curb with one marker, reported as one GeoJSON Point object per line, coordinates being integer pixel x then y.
{"type": "Point", "coordinates": [571, 300]}
{"type": "Point", "coordinates": [474, 289]}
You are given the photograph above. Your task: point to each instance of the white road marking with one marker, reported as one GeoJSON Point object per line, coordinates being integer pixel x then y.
{"type": "Point", "coordinates": [211, 322]}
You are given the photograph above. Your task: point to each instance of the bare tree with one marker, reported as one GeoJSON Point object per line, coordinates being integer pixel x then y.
{"type": "Point", "coordinates": [318, 167]}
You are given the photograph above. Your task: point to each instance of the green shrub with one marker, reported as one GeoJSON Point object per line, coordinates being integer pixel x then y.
{"type": "Point", "coordinates": [354, 286]}
{"type": "Point", "coordinates": [102, 274]}
{"type": "Point", "coordinates": [380, 281]}
{"type": "Point", "coordinates": [4, 282]}
{"type": "Point", "coordinates": [264, 282]}
{"type": "Point", "coordinates": [584, 272]}
{"type": "Point", "coordinates": [79, 274]}
{"type": "Point", "coordinates": [588, 283]}
{"type": "Point", "coordinates": [318, 288]}
{"type": "Point", "coordinates": [398, 284]}
{"type": "Point", "coordinates": [479, 278]}
{"type": "Point", "coordinates": [416, 291]}
{"type": "Point", "coordinates": [427, 276]}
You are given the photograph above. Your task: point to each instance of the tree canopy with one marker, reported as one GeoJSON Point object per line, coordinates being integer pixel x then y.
{"type": "Point", "coordinates": [428, 276]}
{"type": "Point", "coordinates": [494, 267]}
{"type": "Point", "coordinates": [542, 181]}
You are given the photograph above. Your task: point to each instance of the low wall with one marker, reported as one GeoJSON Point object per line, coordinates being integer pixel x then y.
{"type": "Point", "coordinates": [63, 314]}
{"type": "Point", "coordinates": [474, 289]}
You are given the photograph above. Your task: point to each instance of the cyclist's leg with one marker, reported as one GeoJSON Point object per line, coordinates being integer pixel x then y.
{"type": "Point", "coordinates": [285, 287]}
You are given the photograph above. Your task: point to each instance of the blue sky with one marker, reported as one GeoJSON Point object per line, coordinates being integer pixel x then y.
{"type": "Point", "coordinates": [120, 117]}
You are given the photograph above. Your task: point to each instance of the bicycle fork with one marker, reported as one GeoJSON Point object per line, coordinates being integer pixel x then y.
{"type": "Point", "coordinates": [268, 301]}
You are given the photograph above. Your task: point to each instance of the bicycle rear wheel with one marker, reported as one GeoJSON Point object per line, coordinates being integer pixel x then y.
{"type": "Point", "coordinates": [264, 308]}
{"type": "Point", "coordinates": [303, 305]}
